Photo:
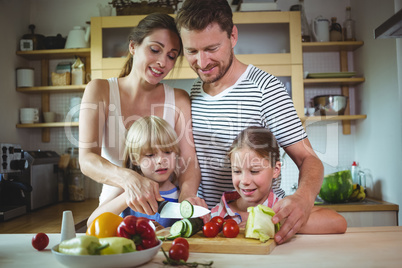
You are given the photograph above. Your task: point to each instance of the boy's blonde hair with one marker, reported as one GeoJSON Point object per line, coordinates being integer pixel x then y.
{"type": "Point", "coordinates": [149, 134]}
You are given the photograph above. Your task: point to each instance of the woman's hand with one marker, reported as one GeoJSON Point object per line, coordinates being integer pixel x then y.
{"type": "Point", "coordinates": [142, 193]}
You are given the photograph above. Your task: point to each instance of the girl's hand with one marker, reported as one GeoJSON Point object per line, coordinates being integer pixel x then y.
{"type": "Point", "coordinates": [142, 194]}
{"type": "Point", "coordinates": [200, 202]}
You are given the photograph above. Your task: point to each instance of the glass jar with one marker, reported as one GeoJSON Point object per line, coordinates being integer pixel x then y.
{"type": "Point", "coordinates": [75, 180]}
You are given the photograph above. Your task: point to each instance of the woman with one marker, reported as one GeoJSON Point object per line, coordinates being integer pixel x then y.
{"type": "Point", "coordinates": [109, 107]}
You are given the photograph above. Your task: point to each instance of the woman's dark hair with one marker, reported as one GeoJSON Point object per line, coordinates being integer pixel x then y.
{"type": "Point", "coordinates": [198, 14]}
{"type": "Point", "coordinates": [260, 140]}
{"type": "Point", "coordinates": [146, 27]}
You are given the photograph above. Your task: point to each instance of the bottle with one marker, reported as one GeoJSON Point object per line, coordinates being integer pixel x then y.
{"type": "Point", "coordinates": [335, 33]}
{"type": "Point", "coordinates": [354, 171]}
{"type": "Point", "coordinates": [349, 26]}
{"type": "Point", "coordinates": [305, 29]}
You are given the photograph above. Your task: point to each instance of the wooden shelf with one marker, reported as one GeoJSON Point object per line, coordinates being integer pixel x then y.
{"type": "Point", "coordinates": [333, 118]}
{"type": "Point", "coordinates": [333, 81]}
{"type": "Point", "coordinates": [331, 46]}
{"type": "Point", "coordinates": [52, 89]}
{"type": "Point", "coordinates": [55, 53]}
{"type": "Point", "coordinates": [46, 125]}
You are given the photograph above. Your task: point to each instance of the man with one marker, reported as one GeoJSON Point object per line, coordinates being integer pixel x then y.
{"type": "Point", "coordinates": [230, 96]}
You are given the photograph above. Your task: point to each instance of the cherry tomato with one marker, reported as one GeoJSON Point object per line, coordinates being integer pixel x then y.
{"type": "Point", "coordinates": [182, 241]}
{"type": "Point", "coordinates": [219, 221]}
{"type": "Point", "coordinates": [179, 252]}
{"type": "Point", "coordinates": [229, 221]}
{"type": "Point", "coordinates": [210, 229]}
{"type": "Point", "coordinates": [40, 241]}
{"type": "Point", "coordinates": [230, 229]}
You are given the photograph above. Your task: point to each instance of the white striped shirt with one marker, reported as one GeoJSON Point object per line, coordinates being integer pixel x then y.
{"type": "Point", "coordinates": [256, 99]}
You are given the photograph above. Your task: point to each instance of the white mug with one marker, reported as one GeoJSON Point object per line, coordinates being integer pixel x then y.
{"type": "Point", "coordinates": [29, 115]}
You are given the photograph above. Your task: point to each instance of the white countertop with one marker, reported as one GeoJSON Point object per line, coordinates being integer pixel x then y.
{"type": "Point", "coordinates": [358, 247]}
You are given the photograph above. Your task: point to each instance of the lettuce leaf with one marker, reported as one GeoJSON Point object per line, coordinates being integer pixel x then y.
{"type": "Point", "coordinates": [259, 223]}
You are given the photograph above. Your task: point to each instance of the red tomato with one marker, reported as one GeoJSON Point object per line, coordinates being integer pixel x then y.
{"type": "Point", "coordinates": [210, 229]}
{"type": "Point", "coordinates": [231, 229]}
{"type": "Point", "coordinates": [40, 241]}
{"type": "Point", "coordinates": [219, 221]}
{"type": "Point", "coordinates": [182, 241]}
{"type": "Point", "coordinates": [179, 252]}
{"type": "Point", "coordinates": [229, 220]}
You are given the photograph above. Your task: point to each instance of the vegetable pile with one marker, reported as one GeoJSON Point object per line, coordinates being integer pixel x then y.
{"type": "Point", "coordinates": [337, 187]}
{"type": "Point", "coordinates": [229, 227]}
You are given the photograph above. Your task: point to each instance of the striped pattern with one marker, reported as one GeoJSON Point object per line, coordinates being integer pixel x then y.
{"type": "Point", "coordinates": [257, 99]}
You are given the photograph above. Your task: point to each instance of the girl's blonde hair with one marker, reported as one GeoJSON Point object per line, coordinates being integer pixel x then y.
{"type": "Point", "coordinates": [149, 134]}
{"type": "Point", "coordinates": [260, 140]}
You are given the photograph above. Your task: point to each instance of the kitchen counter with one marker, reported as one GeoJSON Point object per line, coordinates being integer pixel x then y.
{"type": "Point", "coordinates": [358, 247]}
{"type": "Point", "coordinates": [368, 204]}
{"type": "Point", "coordinates": [48, 219]}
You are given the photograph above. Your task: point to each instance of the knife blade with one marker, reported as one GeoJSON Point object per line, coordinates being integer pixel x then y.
{"type": "Point", "coordinates": [172, 210]}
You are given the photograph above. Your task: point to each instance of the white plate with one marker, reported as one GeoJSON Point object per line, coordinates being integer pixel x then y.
{"type": "Point", "coordinates": [116, 260]}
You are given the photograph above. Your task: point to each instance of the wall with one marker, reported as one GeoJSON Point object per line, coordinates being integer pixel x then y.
{"type": "Point", "coordinates": [379, 137]}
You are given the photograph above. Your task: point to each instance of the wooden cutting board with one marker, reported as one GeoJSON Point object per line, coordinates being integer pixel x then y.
{"type": "Point", "coordinates": [221, 244]}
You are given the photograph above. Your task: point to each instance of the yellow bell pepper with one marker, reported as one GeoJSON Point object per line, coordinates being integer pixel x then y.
{"type": "Point", "coordinates": [105, 225]}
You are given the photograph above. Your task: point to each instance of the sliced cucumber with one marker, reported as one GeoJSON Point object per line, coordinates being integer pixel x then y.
{"type": "Point", "coordinates": [173, 237]}
{"type": "Point", "coordinates": [194, 225]}
{"type": "Point", "coordinates": [179, 227]}
{"type": "Point", "coordinates": [186, 209]}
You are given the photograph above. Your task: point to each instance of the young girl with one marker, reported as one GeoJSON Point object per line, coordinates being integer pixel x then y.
{"type": "Point", "coordinates": [254, 156]}
{"type": "Point", "coordinates": [151, 149]}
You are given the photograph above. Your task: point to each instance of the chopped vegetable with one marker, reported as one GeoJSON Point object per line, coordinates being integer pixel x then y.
{"type": "Point", "coordinates": [105, 225]}
{"type": "Point", "coordinates": [186, 227]}
{"type": "Point", "coordinates": [117, 245]}
{"type": "Point", "coordinates": [186, 209]}
{"type": "Point", "coordinates": [82, 245]}
{"type": "Point", "coordinates": [259, 223]}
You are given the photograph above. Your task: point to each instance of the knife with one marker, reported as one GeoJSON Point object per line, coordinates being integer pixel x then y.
{"type": "Point", "coordinates": [172, 210]}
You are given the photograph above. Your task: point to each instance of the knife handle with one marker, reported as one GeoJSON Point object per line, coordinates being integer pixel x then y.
{"type": "Point", "coordinates": [161, 204]}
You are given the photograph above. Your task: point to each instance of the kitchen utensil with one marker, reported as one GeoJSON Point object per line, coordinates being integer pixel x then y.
{"type": "Point", "coordinates": [37, 39]}
{"type": "Point", "coordinates": [172, 210]}
{"type": "Point", "coordinates": [221, 244]}
{"type": "Point", "coordinates": [49, 117]}
{"type": "Point", "coordinates": [320, 29]}
{"type": "Point", "coordinates": [25, 77]}
{"type": "Point", "coordinates": [131, 259]}
{"type": "Point", "coordinates": [28, 115]}
{"type": "Point", "coordinates": [67, 226]}
{"type": "Point", "coordinates": [54, 42]}
{"type": "Point", "coordinates": [330, 104]}
{"type": "Point", "coordinates": [78, 37]}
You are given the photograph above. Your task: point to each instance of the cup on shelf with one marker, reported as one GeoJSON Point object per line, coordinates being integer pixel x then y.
{"type": "Point", "coordinates": [29, 115]}
{"type": "Point", "coordinates": [49, 117]}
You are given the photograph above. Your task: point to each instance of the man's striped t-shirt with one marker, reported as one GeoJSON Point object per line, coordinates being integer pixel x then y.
{"type": "Point", "coordinates": [256, 99]}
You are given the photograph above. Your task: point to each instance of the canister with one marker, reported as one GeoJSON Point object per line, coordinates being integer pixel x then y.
{"type": "Point", "coordinates": [75, 180]}
{"type": "Point", "coordinates": [25, 77]}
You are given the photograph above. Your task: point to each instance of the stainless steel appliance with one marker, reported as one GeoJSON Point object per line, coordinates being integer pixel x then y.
{"type": "Point", "coordinates": [13, 192]}
{"type": "Point", "coordinates": [42, 176]}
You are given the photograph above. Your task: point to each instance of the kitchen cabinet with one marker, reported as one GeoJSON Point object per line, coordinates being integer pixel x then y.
{"type": "Point", "coordinates": [367, 213]}
{"type": "Point", "coordinates": [44, 89]}
{"type": "Point", "coordinates": [288, 64]}
{"type": "Point", "coordinates": [343, 48]}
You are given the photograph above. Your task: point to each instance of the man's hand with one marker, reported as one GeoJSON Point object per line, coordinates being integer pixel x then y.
{"type": "Point", "coordinates": [293, 212]}
{"type": "Point", "coordinates": [142, 194]}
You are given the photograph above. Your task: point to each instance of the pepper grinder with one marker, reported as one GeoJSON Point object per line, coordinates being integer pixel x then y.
{"type": "Point", "coordinates": [67, 226]}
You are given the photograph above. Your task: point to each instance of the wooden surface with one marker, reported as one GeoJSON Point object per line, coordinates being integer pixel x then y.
{"type": "Point", "coordinates": [366, 205]}
{"type": "Point", "coordinates": [222, 244]}
{"type": "Point", "coordinates": [358, 247]}
{"type": "Point", "coordinates": [48, 219]}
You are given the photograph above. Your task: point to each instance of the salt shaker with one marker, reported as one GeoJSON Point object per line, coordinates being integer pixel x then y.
{"type": "Point", "coordinates": [67, 226]}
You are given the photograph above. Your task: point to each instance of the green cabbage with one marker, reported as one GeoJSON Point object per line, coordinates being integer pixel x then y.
{"type": "Point", "coordinates": [259, 223]}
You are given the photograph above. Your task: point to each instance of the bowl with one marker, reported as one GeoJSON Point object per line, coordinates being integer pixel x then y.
{"type": "Point", "coordinates": [330, 104]}
{"type": "Point", "coordinates": [130, 259]}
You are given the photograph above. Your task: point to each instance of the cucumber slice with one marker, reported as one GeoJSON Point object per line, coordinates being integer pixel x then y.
{"type": "Point", "coordinates": [173, 237]}
{"type": "Point", "coordinates": [194, 225]}
{"type": "Point", "coordinates": [186, 209]}
{"type": "Point", "coordinates": [179, 227]}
